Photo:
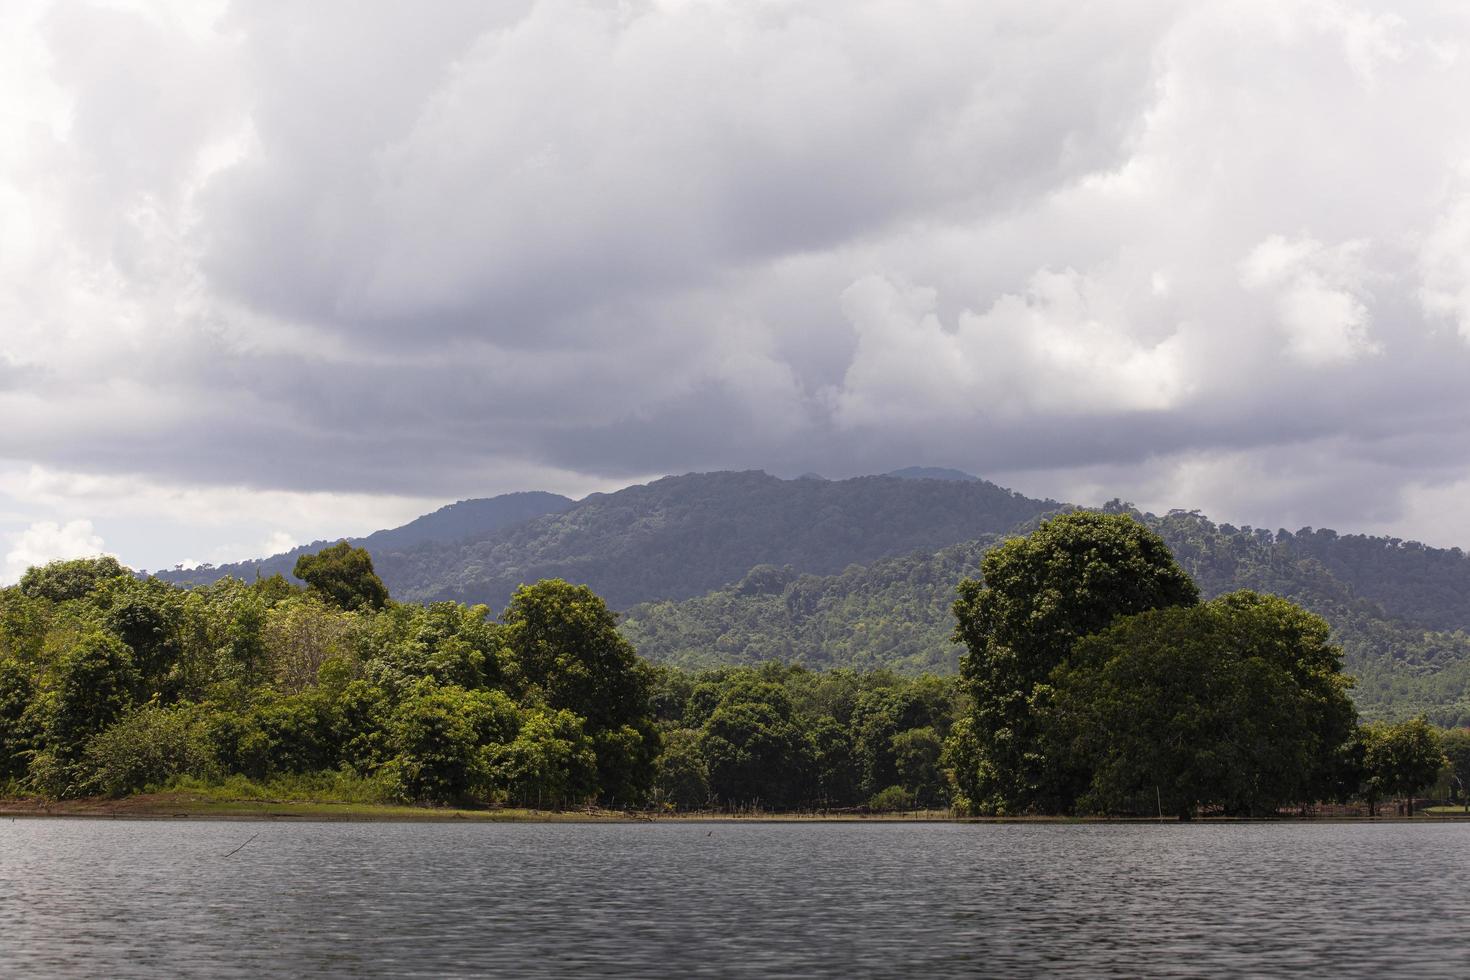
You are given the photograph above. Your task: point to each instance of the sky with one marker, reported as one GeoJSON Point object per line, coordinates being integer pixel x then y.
{"type": "Point", "coordinates": [272, 272]}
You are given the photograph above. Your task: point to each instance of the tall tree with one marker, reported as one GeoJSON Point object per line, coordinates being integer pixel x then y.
{"type": "Point", "coordinates": [565, 648]}
{"type": "Point", "coordinates": [1071, 577]}
{"type": "Point", "coordinates": [344, 576]}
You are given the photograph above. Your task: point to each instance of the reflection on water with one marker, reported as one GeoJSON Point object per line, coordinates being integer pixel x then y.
{"type": "Point", "coordinates": [123, 898]}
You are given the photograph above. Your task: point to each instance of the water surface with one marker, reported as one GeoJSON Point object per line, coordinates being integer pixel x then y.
{"type": "Point", "coordinates": [157, 898]}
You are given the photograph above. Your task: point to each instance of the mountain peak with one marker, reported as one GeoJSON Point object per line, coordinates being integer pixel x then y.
{"type": "Point", "coordinates": [933, 473]}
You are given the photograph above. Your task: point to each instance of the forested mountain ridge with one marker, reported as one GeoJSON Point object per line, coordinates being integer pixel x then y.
{"type": "Point", "coordinates": [897, 612]}
{"type": "Point", "coordinates": [739, 567]}
{"type": "Point", "coordinates": [683, 536]}
{"type": "Point", "coordinates": [894, 613]}
{"type": "Point", "coordinates": [464, 519]}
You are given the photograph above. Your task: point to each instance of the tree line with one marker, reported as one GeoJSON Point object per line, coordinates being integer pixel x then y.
{"type": "Point", "coordinates": [1094, 681]}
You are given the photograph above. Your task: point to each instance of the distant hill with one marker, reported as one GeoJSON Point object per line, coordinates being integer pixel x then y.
{"type": "Point", "coordinates": [737, 567]}
{"type": "Point", "coordinates": [933, 473]}
{"type": "Point", "coordinates": [468, 518]}
{"type": "Point", "coordinates": [893, 613]}
{"type": "Point", "coordinates": [896, 612]}
{"type": "Point", "coordinates": [683, 536]}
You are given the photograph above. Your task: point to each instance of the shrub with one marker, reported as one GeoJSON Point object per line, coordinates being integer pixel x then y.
{"type": "Point", "coordinates": [148, 747]}
{"type": "Point", "coordinates": [892, 798]}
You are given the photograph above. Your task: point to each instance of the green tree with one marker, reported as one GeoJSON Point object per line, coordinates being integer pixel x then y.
{"type": "Point", "coordinates": [438, 736]}
{"type": "Point", "coordinates": [344, 576]}
{"type": "Point", "coordinates": [18, 730]}
{"type": "Point", "coordinates": [1071, 577]}
{"type": "Point", "coordinates": [1456, 745]}
{"type": "Point", "coordinates": [836, 771]}
{"type": "Point", "coordinates": [60, 581]}
{"type": "Point", "coordinates": [755, 754]}
{"type": "Point", "coordinates": [145, 615]}
{"type": "Point", "coordinates": [681, 779]}
{"type": "Point", "coordinates": [564, 648]}
{"type": "Point", "coordinates": [445, 641]}
{"type": "Point", "coordinates": [1237, 704]}
{"type": "Point", "coordinates": [916, 754]}
{"type": "Point", "coordinates": [1399, 760]}
{"type": "Point", "coordinates": [94, 683]}
{"type": "Point", "coordinates": [550, 763]}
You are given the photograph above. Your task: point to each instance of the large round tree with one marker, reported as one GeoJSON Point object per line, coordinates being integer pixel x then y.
{"type": "Point", "coordinates": [1071, 577]}
{"type": "Point", "coordinates": [1238, 705]}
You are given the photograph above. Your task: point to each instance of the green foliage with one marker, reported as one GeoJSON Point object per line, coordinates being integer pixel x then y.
{"type": "Point", "coordinates": [894, 614]}
{"type": "Point", "coordinates": [1237, 705]}
{"type": "Point", "coordinates": [893, 798]}
{"type": "Point", "coordinates": [63, 580]}
{"type": "Point", "coordinates": [444, 642]}
{"type": "Point", "coordinates": [344, 576]}
{"type": "Point", "coordinates": [18, 725]}
{"type": "Point", "coordinates": [146, 748]}
{"type": "Point", "coordinates": [134, 684]}
{"type": "Point", "coordinates": [755, 754]}
{"type": "Point", "coordinates": [94, 683]}
{"type": "Point", "coordinates": [565, 650]}
{"type": "Point", "coordinates": [1071, 577]}
{"type": "Point", "coordinates": [551, 763]}
{"type": "Point", "coordinates": [1400, 759]}
{"type": "Point", "coordinates": [782, 736]}
{"type": "Point", "coordinates": [438, 736]}
{"type": "Point", "coordinates": [1456, 746]}
{"type": "Point", "coordinates": [1411, 655]}
{"type": "Point", "coordinates": [681, 778]}
{"type": "Point", "coordinates": [916, 755]}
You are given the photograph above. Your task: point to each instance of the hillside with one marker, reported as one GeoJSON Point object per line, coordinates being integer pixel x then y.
{"type": "Point", "coordinates": [896, 612]}
{"type": "Point", "coordinates": [893, 613]}
{"type": "Point", "coordinates": [683, 536]}
{"type": "Point", "coordinates": [468, 518]}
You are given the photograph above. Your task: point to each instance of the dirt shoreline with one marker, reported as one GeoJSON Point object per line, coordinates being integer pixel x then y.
{"type": "Point", "coordinates": [185, 806]}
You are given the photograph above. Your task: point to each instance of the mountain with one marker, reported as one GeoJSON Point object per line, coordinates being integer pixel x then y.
{"type": "Point", "coordinates": [683, 536]}
{"type": "Point", "coordinates": [1410, 652]}
{"type": "Point", "coordinates": [737, 567]}
{"type": "Point", "coordinates": [468, 518]}
{"type": "Point", "coordinates": [933, 473]}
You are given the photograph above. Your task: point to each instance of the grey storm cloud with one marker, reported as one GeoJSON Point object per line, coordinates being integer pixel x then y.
{"type": "Point", "coordinates": [1209, 254]}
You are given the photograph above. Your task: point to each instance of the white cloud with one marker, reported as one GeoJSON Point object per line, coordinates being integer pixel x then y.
{"type": "Point", "coordinates": [278, 542]}
{"type": "Point", "coordinates": [1318, 296]}
{"type": "Point", "coordinates": [1062, 348]}
{"type": "Point", "coordinates": [1444, 259]}
{"type": "Point", "coordinates": [312, 269]}
{"type": "Point", "coordinates": [46, 541]}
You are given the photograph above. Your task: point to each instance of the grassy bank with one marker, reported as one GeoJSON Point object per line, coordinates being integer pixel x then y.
{"type": "Point", "coordinates": [181, 805]}
{"type": "Point", "coordinates": [215, 804]}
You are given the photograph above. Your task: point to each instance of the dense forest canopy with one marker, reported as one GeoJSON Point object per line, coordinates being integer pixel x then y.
{"type": "Point", "coordinates": [112, 684]}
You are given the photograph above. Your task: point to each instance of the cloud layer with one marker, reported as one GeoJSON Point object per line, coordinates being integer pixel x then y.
{"type": "Point", "coordinates": [1204, 254]}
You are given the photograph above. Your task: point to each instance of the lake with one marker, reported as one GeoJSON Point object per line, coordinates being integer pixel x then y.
{"type": "Point", "coordinates": [158, 898]}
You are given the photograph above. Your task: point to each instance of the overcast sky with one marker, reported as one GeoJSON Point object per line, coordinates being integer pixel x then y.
{"type": "Point", "coordinates": [275, 271]}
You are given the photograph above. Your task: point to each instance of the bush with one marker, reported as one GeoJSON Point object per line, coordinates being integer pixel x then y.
{"type": "Point", "coordinates": [145, 749]}
{"type": "Point", "coordinates": [550, 763]}
{"type": "Point", "coordinates": [438, 736]}
{"type": "Point", "coordinates": [892, 798]}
